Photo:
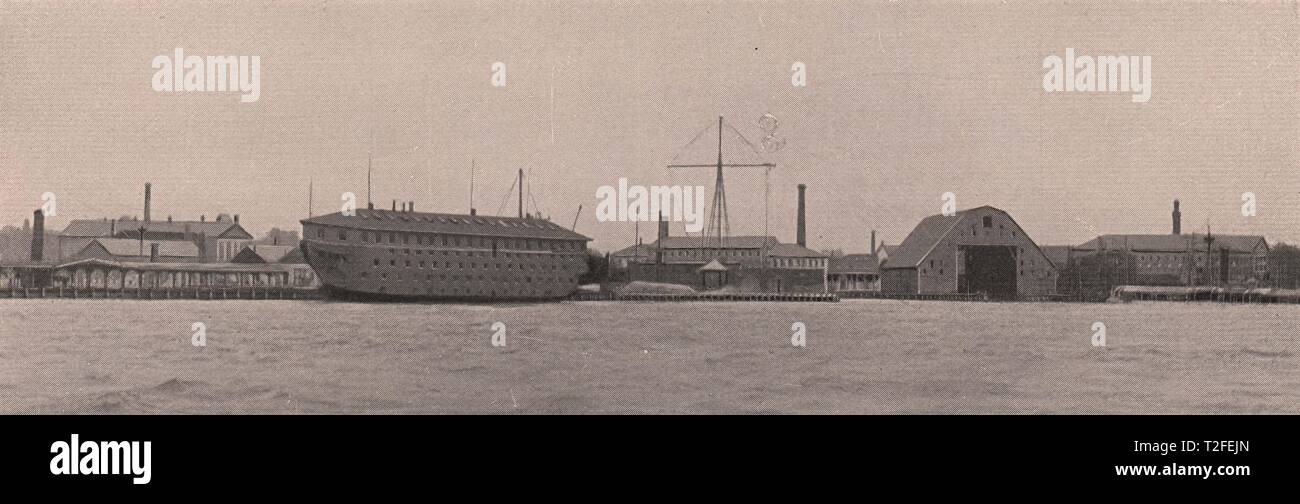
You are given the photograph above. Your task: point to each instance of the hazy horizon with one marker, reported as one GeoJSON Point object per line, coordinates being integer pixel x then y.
{"type": "Point", "coordinates": [903, 103]}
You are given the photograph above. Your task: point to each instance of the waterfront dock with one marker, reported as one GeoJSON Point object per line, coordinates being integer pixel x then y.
{"type": "Point", "coordinates": [199, 293]}
{"type": "Point", "coordinates": [797, 297]}
{"type": "Point", "coordinates": [1212, 294]}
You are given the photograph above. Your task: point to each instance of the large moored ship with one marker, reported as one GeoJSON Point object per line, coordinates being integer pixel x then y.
{"type": "Point", "coordinates": [403, 255]}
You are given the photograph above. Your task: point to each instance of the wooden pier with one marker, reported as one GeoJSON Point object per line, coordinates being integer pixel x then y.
{"type": "Point", "coordinates": [912, 297]}
{"type": "Point", "coordinates": [794, 297]}
{"type": "Point", "coordinates": [199, 293]}
{"type": "Point", "coordinates": [1212, 294]}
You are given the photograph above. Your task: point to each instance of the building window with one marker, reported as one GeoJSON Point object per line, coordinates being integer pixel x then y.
{"type": "Point", "coordinates": [988, 222]}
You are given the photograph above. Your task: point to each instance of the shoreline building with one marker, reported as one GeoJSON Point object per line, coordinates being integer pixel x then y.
{"type": "Point", "coordinates": [744, 263]}
{"type": "Point", "coordinates": [855, 272]}
{"type": "Point", "coordinates": [291, 257]}
{"type": "Point", "coordinates": [216, 241]}
{"type": "Point", "coordinates": [1175, 259]}
{"type": "Point", "coordinates": [978, 250]}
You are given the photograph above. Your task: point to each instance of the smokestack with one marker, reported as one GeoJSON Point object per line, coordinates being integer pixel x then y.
{"type": "Point", "coordinates": [148, 200]}
{"type": "Point", "coordinates": [412, 207]}
{"type": "Point", "coordinates": [1178, 219]}
{"type": "Point", "coordinates": [38, 236]}
{"type": "Point", "coordinates": [153, 252]}
{"type": "Point", "coordinates": [236, 218]}
{"type": "Point", "coordinates": [873, 242]}
{"type": "Point", "coordinates": [802, 233]}
{"type": "Point", "coordinates": [663, 228]}
{"type": "Point", "coordinates": [394, 205]}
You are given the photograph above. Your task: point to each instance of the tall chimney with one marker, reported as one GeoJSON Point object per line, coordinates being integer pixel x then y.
{"type": "Point", "coordinates": [38, 236]}
{"type": "Point", "coordinates": [1178, 219]}
{"type": "Point", "coordinates": [663, 227]}
{"type": "Point", "coordinates": [148, 199]}
{"type": "Point", "coordinates": [153, 252]}
{"type": "Point", "coordinates": [873, 242]}
{"type": "Point", "coordinates": [412, 206]}
{"type": "Point", "coordinates": [394, 205]}
{"type": "Point", "coordinates": [802, 234]}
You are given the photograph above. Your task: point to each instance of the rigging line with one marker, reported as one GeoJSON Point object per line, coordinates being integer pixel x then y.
{"type": "Point", "coordinates": [510, 191]}
{"type": "Point", "coordinates": [537, 208]}
{"type": "Point", "coordinates": [692, 142]}
{"type": "Point", "coordinates": [746, 140]}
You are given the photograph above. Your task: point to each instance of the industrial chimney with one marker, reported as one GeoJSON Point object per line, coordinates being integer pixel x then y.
{"type": "Point", "coordinates": [663, 228]}
{"type": "Point", "coordinates": [873, 242]}
{"type": "Point", "coordinates": [1178, 219]}
{"type": "Point", "coordinates": [38, 236]}
{"type": "Point", "coordinates": [148, 200]}
{"type": "Point", "coordinates": [802, 234]}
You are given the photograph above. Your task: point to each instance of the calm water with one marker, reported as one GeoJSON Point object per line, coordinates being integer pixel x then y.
{"type": "Point", "coordinates": [113, 356]}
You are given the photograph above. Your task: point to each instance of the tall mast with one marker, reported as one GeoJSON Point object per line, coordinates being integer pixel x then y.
{"type": "Point", "coordinates": [370, 204]}
{"type": "Point", "coordinates": [521, 193]}
{"type": "Point", "coordinates": [721, 189]}
{"type": "Point", "coordinates": [471, 185]}
{"type": "Point", "coordinates": [311, 193]}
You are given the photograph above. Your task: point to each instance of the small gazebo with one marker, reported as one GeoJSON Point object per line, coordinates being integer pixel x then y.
{"type": "Point", "coordinates": [713, 275]}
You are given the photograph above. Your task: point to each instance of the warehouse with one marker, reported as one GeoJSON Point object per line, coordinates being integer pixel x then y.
{"type": "Point", "coordinates": [979, 250]}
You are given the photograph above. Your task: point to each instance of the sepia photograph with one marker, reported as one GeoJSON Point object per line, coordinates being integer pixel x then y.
{"type": "Point", "coordinates": [806, 208]}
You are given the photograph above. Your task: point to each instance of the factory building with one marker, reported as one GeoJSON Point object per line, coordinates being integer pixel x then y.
{"type": "Point", "coordinates": [744, 263]}
{"type": "Point", "coordinates": [216, 241]}
{"type": "Point", "coordinates": [1174, 259]}
{"type": "Point", "coordinates": [979, 250]}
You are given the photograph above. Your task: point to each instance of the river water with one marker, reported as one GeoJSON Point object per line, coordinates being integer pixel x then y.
{"type": "Point", "coordinates": [862, 356]}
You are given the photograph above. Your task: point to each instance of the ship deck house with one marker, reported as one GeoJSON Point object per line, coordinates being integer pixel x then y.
{"type": "Point", "coordinates": [406, 253]}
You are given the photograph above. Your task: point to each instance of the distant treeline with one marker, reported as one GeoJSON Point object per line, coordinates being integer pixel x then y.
{"type": "Point", "coordinates": [16, 244]}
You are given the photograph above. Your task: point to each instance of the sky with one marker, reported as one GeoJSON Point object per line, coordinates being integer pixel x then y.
{"type": "Point", "coordinates": [902, 103]}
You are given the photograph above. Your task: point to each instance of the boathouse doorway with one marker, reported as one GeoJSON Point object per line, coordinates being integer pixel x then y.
{"type": "Point", "coordinates": [988, 269]}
